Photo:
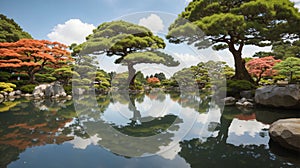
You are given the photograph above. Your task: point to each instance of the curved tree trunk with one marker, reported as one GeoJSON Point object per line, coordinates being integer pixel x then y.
{"type": "Point", "coordinates": [131, 74]}
{"type": "Point", "coordinates": [241, 72]}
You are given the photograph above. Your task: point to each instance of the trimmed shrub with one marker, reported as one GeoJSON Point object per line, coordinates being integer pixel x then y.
{"type": "Point", "coordinates": [68, 89]}
{"type": "Point", "coordinates": [4, 76]}
{"type": "Point", "coordinates": [44, 78]}
{"type": "Point", "coordinates": [234, 87]}
{"type": "Point", "coordinates": [6, 87]}
{"type": "Point", "coordinates": [28, 88]}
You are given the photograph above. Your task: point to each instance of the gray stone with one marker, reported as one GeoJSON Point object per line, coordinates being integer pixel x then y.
{"type": "Point", "coordinates": [49, 90]}
{"type": "Point", "coordinates": [18, 92]}
{"type": "Point", "coordinates": [242, 100]}
{"type": "Point", "coordinates": [229, 101]}
{"type": "Point", "coordinates": [5, 94]}
{"type": "Point", "coordinates": [276, 96]}
{"type": "Point", "coordinates": [28, 95]}
{"type": "Point", "coordinates": [286, 132]}
{"type": "Point", "coordinates": [11, 94]}
{"type": "Point", "coordinates": [1, 96]}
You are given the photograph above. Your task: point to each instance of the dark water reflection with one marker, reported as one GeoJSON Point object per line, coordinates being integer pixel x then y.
{"type": "Point", "coordinates": [160, 130]}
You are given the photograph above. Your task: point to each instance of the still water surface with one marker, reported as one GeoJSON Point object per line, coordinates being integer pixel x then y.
{"type": "Point", "coordinates": [142, 130]}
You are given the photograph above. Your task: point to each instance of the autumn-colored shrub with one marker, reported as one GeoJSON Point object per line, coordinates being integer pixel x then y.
{"type": "Point", "coordinates": [262, 67]}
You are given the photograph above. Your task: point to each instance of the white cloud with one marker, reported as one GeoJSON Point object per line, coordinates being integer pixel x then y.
{"type": "Point", "coordinates": [187, 59]}
{"type": "Point", "coordinates": [72, 31]}
{"type": "Point", "coordinates": [152, 22]}
{"type": "Point", "coordinates": [297, 3]}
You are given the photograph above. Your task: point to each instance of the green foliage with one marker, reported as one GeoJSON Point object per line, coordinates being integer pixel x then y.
{"type": "Point", "coordinates": [161, 76]}
{"type": "Point", "coordinates": [234, 87]}
{"type": "Point", "coordinates": [28, 88]}
{"type": "Point", "coordinates": [133, 44]}
{"type": "Point", "coordinates": [6, 87]}
{"type": "Point", "coordinates": [10, 31]}
{"type": "Point", "coordinates": [19, 76]}
{"type": "Point", "coordinates": [44, 78]}
{"type": "Point", "coordinates": [234, 24]}
{"type": "Point", "coordinates": [4, 76]}
{"type": "Point", "coordinates": [121, 38]}
{"type": "Point", "coordinates": [103, 80]}
{"type": "Point", "coordinates": [68, 89]}
{"type": "Point", "coordinates": [203, 74]}
{"type": "Point", "coordinates": [64, 74]}
{"type": "Point", "coordinates": [290, 67]}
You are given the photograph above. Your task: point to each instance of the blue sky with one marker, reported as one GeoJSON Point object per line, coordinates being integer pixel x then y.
{"type": "Point", "coordinates": [39, 17]}
{"type": "Point", "coordinates": [69, 21]}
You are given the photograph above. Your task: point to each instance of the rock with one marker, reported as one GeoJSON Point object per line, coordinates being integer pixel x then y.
{"type": "Point", "coordinates": [243, 100]}
{"type": "Point", "coordinates": [276, 96]}
{"type": "Point", "coordinates": [1, 96]}
{"type": "Point", "coordinates": [229, 101]}
{"type": "Point", "coordinates": [69, 97]}
{"type": "Point", "coordinates": [11, 94]}
{"type": "Point", "coordinates": [245, 104]}
{"type": "Point", "coordinates": [28, 95]}
{"type": "Point", "coordinates": [54, 90]}
{"type": "Point", "coordinates": [18, 92]}
{"type": "Point", "coordinates": [5, 94]}
{"type": "Point", "coordinates": [286, 132]}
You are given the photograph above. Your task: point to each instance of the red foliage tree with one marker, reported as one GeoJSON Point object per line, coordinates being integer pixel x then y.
{"type": "Point", "coordinates": [33, 55]}
{"type": "Point", "coordinates": [153, 80]}
{"type": "Point", "coordinates": [262, 67]}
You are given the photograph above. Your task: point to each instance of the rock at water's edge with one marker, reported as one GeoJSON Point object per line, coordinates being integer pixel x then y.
{"type": "Point", "coordinates": [276, 96]}
{"type": "Point", "coordinates": [286, 132]}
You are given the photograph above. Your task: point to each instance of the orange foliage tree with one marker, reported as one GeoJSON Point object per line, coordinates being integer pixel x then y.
{"type": "Point", "coordinates": [262, 67]}
{"type": "Point", "coordinates": [32, 56]}
{"type": "Point", "coordinates": [153, 80]}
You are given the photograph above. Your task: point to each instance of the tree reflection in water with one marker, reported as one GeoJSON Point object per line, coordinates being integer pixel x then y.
{"type": "Point", "coordinates": [215, 140]}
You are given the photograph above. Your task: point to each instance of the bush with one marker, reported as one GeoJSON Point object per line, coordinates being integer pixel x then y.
{"type": "Point", "coordinates": [28, 88]}
{"type": "Point", "coordinates": [20, 83]}
{"type": "Point", "coordinates": [44, 78]}
{"type": "Point", "coordinates": [4, 76]}
{"type": "Point", "coordinates": [6, 87]}
{"type": "Point", "coordinates": [234, 87]}
{"type": "Point", "coordinates": [21, 76]}
{"type": "Point", "coordinates": [68, 89]}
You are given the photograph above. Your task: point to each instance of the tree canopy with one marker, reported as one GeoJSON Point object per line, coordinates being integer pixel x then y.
{"type": "Point", "coordinates": [32, 56]}
{"type": "Point", "coordinates": [133, 44]}
{"type": "Point", "coordinates": [289, 67]}
{"type": "Point", "coordinates": [236, 23]}
{"type": "Point", "coordinates": [10, 31]}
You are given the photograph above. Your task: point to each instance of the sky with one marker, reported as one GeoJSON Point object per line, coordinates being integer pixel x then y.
{"type": "Point", "coordinates": [70, 21]}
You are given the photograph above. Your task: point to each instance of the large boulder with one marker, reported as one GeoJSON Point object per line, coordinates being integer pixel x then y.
{"type": "Point", "coordinates": [49, 90]}
{"type": "Point", "coordinates": [279, 96]}
{"type": "Point", "coordinates": [286, 132]}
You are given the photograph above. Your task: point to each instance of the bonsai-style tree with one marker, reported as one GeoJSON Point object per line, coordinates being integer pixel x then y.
{"type": "Point", "coordinates": [282, 50]}
{"type": "Point", "coordinates": [289, 67]}
{"type": "Point", "coordinates": [133, 44]}
{"type": "Point", "coordinates": [10, 31]}
{"type": "Point", "coordinates": [234, 24]}
{"type": "Point", "coordinates": [32, 56]}
{"type": "Point", "coordinates": [262, 67]}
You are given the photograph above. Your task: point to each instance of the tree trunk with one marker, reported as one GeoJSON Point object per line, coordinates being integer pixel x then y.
{"type": "Point", "coordinates": [241, 72]}
{"type": "Point", "coordinates": [131, 75]}
{"type": "Point", "coordinates": [31, 77]}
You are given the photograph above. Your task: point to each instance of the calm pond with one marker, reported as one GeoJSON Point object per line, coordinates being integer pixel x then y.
{"type": "Point", "coordinates": [143, 130]}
